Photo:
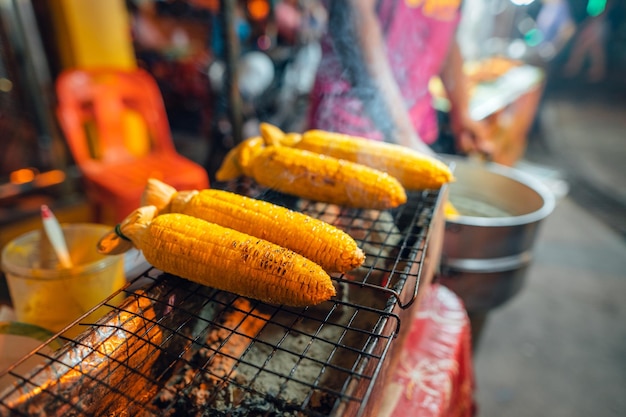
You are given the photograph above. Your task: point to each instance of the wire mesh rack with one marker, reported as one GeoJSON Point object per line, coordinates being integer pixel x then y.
{"type": "Point", "coordinates": [166, 346]}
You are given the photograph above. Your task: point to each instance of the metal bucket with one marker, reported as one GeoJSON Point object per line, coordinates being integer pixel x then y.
{"type": "Point", "coordinates": [487, 249]}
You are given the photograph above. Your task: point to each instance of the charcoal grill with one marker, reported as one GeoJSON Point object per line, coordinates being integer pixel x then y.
{"type": "Point", "coordinates": [175, 348]}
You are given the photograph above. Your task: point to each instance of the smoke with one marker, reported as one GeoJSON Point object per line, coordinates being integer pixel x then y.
{"type": "Point", "coordinates": [342, 31]}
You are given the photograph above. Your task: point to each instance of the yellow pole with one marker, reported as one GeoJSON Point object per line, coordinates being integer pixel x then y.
{"type": "Point", "coordinates": [97, 33]}
{"type": "Point", "coordinates": [94, 33]}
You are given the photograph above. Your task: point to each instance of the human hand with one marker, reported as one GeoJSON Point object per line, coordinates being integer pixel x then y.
{"type": "Point", "coordinates": [471, 136]}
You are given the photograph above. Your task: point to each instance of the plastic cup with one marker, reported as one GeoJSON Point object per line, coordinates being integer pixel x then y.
{"type": "Point", "coordinates": [45, 294]}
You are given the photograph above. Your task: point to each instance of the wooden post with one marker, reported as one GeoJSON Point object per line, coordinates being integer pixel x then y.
{"type": "Point", "coordinates": [228, 15]}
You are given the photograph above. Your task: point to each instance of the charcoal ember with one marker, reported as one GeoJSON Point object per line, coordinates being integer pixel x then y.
{"type": "Point", "coordinates": [224, 375]}
{"type": "Point", "coordinates": [255, 406]}
{"type": "Point", "coordinates": [124, 352]}
{"type": "Point", "coordinates": [208, 376]}
{"type": "Point", "coordinates": [216, 357]}
{"type": "Point", "coordinates": [77, 380]}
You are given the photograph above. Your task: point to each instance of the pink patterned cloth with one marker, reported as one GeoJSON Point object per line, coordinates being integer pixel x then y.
{"type": "Point", "coordinates": [417, 36]}
{"type": "Point", "coordinates": [435, 373]}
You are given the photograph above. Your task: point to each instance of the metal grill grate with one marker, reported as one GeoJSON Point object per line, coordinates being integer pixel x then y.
{"type": "Point", "coordinates": [175, 348]}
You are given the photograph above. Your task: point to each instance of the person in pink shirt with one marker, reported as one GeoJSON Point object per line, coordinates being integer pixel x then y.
{"type": "Point", "coordinates": [378, 59]}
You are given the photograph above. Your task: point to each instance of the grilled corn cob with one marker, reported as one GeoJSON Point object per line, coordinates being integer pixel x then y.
{"type": "Point", "coordinates": [229, 169]}
{"type": "Point", "coordinates": [272, 135]}
{"type": "Point", "coordinates": [226, 259]}
{"type": "Point", "coordinates": [323, 178]}
{"type": "Point", "coordinates": [414, 170]}
{"type": "Point", "coordinates": [238, 157]}
{"type": "Point", "coordinates": [331, 248]}
{"type": "Point", "coordinates": [312, 175]}
{"type": "Point", "coordinates": [450, 211]}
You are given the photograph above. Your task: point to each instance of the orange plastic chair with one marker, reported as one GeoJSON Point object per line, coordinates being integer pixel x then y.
{"type": "Point", "coordinates": [117, 130]}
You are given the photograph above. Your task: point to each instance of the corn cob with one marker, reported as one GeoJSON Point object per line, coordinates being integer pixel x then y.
{"type": "Point", "coordinates": [226, 259]}
{"type": "Point", "coordinates": [229, 168]}
{"type": "Point", "coordinates": [323, 178]}
{"type": "Point", "coordinates": [311, 175]}
{"type": "Point", "coordinates": [237, 157]}
{"type": "Point", "coordinates": [414, 170]}
{"type": "Point", "coordinates": [450, 211]}
{"type": "Point", "coordinates": [272, 135]}
{"type": "Point", "coordinates": [331, 248]}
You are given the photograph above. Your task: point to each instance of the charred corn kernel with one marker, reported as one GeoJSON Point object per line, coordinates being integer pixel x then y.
{"type": "Point", "coordinates": [226, 259]}
{"type": "Point", "coordinates": [311, 175]}
{"type": "Point", "coordinates": [323, 178]}
{"type": "Point", "coordinates": [414, 170]}
{"type": "Point", "coordinates": [331, 248]}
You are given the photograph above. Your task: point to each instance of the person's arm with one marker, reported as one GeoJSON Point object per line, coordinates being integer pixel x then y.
{"type": "Point", "coordinates": [469, 134]}
{"type": "Point", "coordinates": [371, 41]}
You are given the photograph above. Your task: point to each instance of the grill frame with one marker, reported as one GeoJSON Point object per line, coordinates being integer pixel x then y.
{"type": "Point", "coordinates": [391, 290]}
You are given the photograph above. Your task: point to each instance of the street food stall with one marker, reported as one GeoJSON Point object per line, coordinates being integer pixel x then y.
{"type": "Point", "coordinates": [195, 330]}
{"type": "Point", "coordinates": [174, 346]}
{"type": "Point", "coordinates": [505, 95]}
{"type": "Point", "coordinates": [230, 341]}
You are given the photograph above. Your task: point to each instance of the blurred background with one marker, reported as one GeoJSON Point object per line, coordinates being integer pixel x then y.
{"type": "Point", "coordinates": [197, 49]}
{"type": "Point", "coordinates": [223, 67]}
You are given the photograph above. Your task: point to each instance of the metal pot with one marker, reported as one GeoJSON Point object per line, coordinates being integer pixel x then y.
{"type": "Point", "coordinates": [488, 247]}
